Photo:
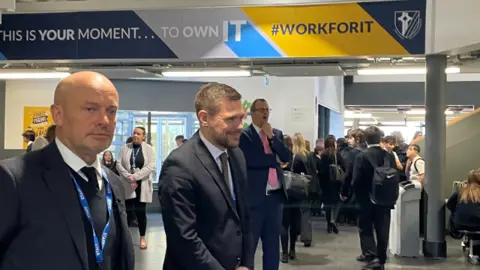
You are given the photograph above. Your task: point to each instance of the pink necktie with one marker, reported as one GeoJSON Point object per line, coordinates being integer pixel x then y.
{"type": "Point", "coordinates": [272, 172]}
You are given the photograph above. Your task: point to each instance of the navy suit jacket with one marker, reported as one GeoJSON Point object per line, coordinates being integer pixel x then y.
{"type": "Point", "coordinates": [259, 163]}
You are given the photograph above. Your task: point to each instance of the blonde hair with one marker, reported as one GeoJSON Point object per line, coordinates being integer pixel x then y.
{"type": "Point", "coordinates": [299, 145]}
{"type": "Point", "coordinates": [471, 192]}
{"type": "Point", "coordinates": [308, 146]}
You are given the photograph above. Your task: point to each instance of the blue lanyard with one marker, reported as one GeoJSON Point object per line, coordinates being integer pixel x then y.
{"type": "Point", "coordinates": [134, 157]}
{"type": "Point", "coordinates": [86, 210]}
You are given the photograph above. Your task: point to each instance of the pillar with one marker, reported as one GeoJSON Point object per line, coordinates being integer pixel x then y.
{"type": "Point", "coordinates": [434, 244]}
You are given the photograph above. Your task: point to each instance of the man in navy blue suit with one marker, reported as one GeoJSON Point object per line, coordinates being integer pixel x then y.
{"type": "Point", "coordinates": [263, 148]}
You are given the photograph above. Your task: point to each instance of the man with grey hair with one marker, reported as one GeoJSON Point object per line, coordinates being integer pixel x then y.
{"type": "Point", "coordinates": [202, 190]}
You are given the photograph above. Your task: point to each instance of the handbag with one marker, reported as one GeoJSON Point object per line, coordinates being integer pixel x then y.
{"type": "Point", "coordinates": [297, 185]}
{"type": "Point", "coordinates": [336, 172]}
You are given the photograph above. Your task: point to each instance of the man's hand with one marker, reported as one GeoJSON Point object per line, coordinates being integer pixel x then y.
{"type": "Point", "coordinates": [130, 177]}
{"type": "Point", "coordinates": [242, 268]}
{"type": "Point", "coordinates": [267, 128]}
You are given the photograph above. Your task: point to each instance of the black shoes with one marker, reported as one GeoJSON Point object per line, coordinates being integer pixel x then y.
{"type": "Point", "coordinates": [332, 227]}
{"type": "Point", "coordinates": [307, 243]}
{"type": "Point", "coordinates": [284, 258]}
{"type": "Point", "coordinates": [363, 258]}
{"type": "Point", "coordinates": [290, 256]}
{"type": "Point", "coordinates": [374, 265]}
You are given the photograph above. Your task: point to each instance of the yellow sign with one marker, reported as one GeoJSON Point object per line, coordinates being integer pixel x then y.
{"type": "Point", "coordinates": [37, 119]}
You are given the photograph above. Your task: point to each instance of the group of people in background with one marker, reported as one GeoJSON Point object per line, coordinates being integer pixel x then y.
{"type": "Point", "coordinates": [136, 164]}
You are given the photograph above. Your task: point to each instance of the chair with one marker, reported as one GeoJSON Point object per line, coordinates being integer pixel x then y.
{"type": "Point", "coordinates": [473, 259]}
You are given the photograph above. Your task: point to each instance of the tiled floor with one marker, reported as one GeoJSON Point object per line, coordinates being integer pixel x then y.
{"type": "Point", "coordinates": [329, 252]}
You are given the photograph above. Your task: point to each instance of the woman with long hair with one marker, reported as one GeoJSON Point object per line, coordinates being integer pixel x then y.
{"type": "Point", "coordinates": [109, 162]}
{"type": "Point", "coordinates": [137, 163]}
{"type": "Point", "coordinates": [465, 207]}
{"type": "Point", "coordinates": [291, 213]}
{"type": "Point", "coordinates": [331, 186]}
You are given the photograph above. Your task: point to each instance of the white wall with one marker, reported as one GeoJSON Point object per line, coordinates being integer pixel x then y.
{"type": "Point", "coordinates": [455, 24]}
{"type": "Point", "coordinates": [21, 93]}
{"type": "Point", "coordinates": [291, 99]}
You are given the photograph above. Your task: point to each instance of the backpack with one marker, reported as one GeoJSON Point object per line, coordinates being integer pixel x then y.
{"type": "Point", "coordinates": [415, 164]}
{"type": "Point", "coordinates": [385, 183]}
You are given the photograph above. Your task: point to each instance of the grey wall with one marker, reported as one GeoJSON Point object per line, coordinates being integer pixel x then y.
{"type": "Point", "coordinates": [408, 93]}
{"type": "Point", "coordinates": [164, 96]}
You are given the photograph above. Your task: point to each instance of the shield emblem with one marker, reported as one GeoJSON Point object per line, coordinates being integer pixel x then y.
{"type": "Point", "coordinates": [408, 23]}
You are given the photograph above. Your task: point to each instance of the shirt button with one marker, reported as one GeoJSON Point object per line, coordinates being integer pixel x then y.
{"type": "Point", "coordinates": [239, 232]}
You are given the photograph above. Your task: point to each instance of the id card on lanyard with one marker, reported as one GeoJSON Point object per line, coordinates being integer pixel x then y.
{"type": "Point", "coordinates": [134, 157]}
{"type": "Point", "coordinates": [99, 245]}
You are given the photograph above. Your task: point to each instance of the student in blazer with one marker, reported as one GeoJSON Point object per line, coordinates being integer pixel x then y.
{"type": "Point", "coordinates": [137, 164]}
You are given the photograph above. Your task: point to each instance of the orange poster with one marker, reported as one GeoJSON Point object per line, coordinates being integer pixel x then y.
{"type": "Point", "coordinates": [37, 119]}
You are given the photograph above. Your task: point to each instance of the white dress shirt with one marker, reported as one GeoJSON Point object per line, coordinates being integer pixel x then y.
{"type": "Point", "coordinates": [216, 153]}
{"type": "Point", "coordinates": [269, 187]}
{"type": "Point", "coordinates": [76, 163]}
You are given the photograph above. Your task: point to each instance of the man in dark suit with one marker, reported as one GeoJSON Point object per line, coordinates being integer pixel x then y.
{"type": "Point", "coordinates": [202, 190]}
{"type": "Point", "coordinates": [371, 216]}
{"type": "Point", "coordinates": [263, 147]}
{"type": "Point", "coordinates": [60, 208]}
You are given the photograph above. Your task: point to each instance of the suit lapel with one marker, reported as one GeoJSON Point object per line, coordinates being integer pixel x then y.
{"type": "Point", "coordinates": [58, 180]}
{"type": "Point", "coordinates": [238, 178]}
{"type": "Point", "coordinates": [207, 160]}
{"type": "Point", "coordinates": [255, 137]}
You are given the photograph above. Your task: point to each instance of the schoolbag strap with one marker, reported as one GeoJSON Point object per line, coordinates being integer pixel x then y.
{"type": "Point", "coordinates": [373, 162]}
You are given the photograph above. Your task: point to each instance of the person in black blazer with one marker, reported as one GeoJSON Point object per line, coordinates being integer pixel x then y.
{"type": "Point", "coordinates": [329, 184]}
{"type": "Point", "coordinates": [46, 195]}
{"type": "Point", "coordinates": [371, 215]}
{"type": "Point", "coordinates": [202, 190]}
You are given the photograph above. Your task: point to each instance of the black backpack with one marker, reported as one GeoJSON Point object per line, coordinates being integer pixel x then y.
{"type": "Point", "coordinates": [385, 183]}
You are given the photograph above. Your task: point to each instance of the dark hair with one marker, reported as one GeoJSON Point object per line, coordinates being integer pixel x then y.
{"type": "Point", "coordinates": [390, 139]}
{"type": "Point", "coordinates": [103, 157]}
{"type": "Point", "coordinates": [179, 137]}
{"type": "Point", "coordinates": [288, 142]}
{"type": "Point", "coordinates": [29, 135]}
{"type": "Point", "coordinates": [415, 147]}
{"type": "Point", "coordinates": [129, 140]}
{"type": "Point", "coordinates": [329, 144]}
{"type": "Point", "coordinates": [253, 107]}
{"type": "Point", "coordinates": [50, 134]}
{"type": "Point", "coordinates": [373, 135]}
{"type": "Point", "coordinates": [213, 93]}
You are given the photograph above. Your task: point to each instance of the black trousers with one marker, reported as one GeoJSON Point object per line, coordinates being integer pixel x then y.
{"type": "Point", "coordinates": [373, 217]}
{"type": "Point", "coordinates": [290, 226]}
{"type": "Point", "coordinates": [138, 209]}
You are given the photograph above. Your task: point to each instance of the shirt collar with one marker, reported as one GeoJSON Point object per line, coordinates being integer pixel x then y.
{"type": "Point", "coordinates": [374, 145]}
{"type": "Point", "coordinates": [74, 161]}
{"type": "Point", "coordinates": [257, 129]}
{"type": "Point", "coordinates": [214, 151]}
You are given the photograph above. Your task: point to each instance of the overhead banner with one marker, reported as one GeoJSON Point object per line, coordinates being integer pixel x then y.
{"type": "Point", "coordinates": [335, 30]}
{"type": "Point", "coordinates": [37, 119]}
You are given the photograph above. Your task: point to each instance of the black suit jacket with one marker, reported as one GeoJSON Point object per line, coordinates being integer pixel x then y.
{"type": "Point", "coordinates": [205, 229]}
{"type": "Point", "coordinates": [363, 171]}
{"type": "Point", "coordinates": [41, 225]}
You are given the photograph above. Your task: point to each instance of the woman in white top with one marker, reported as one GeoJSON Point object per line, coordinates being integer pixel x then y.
{"type": "Point", "coordinates": [136, 164]}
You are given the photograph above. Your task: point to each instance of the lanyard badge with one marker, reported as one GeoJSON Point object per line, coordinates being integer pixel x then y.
{"type": "Point", "coordinates": [99, 245]}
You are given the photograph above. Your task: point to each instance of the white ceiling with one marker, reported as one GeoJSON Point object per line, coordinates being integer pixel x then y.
{"type": "Point", "coordinates": [393, 116]}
